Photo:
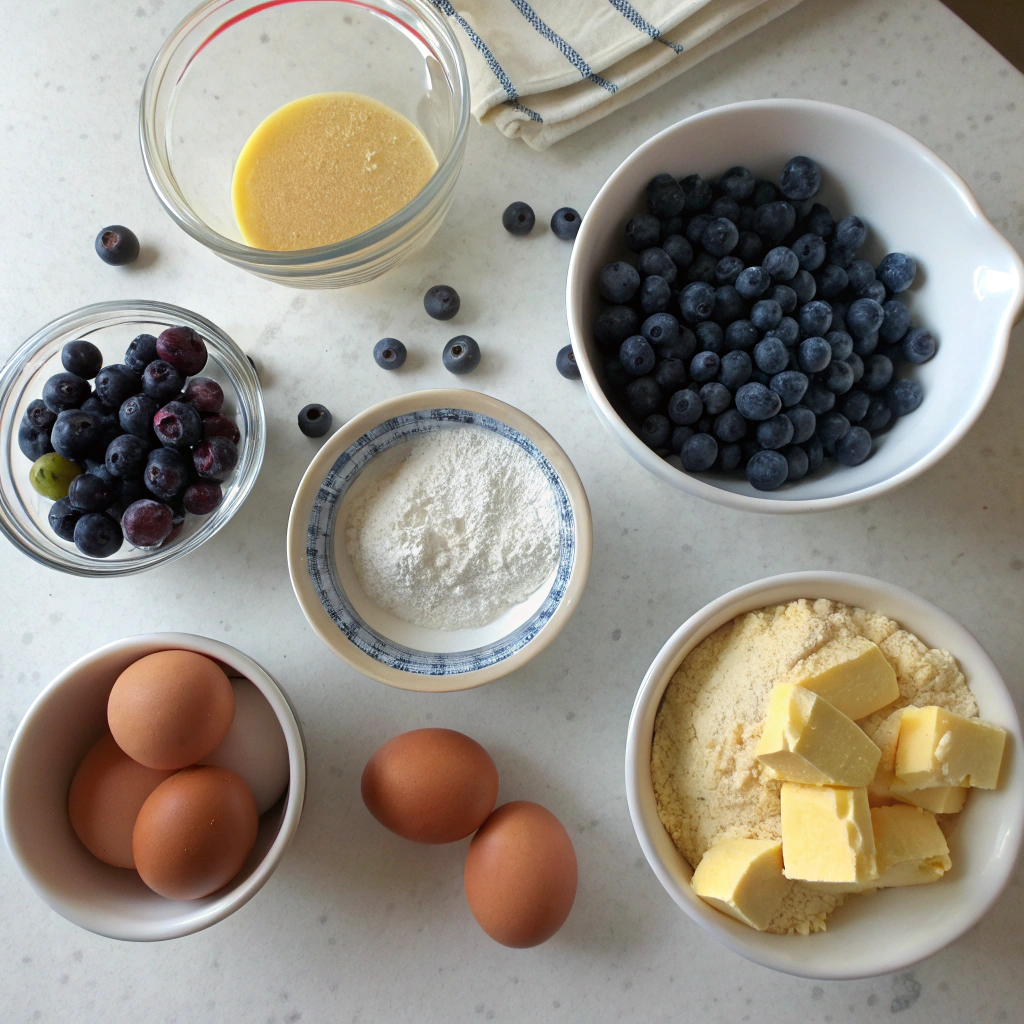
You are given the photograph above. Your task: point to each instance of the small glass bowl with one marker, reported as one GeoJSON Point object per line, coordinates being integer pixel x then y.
{"type": "Point", "coordinates": [111, 326]}
{"type": "Point", "coordinates": [231, 63]}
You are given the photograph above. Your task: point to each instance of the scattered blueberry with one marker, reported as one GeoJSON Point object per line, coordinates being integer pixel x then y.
{"type": "Point", "coordinates": [565, 223]}
{"type": "Point", "coordinates": [518, 219]}
{"type": "Point", "coordinates": [767, 470]}
{"type": "Point", "coordinates": [81, 358]}
{"type": "Point", "coordinates": [442, 302]}
{"type": "Point", "coordinates": [918, 345]}
{"type": "Point", "coordinates": [461, 354]}
{"type": "Point", "coordinates": [314, 421]}
{"type": "Point", "coordinates": [897, 271]}
{"type": "Point", "coordinates": [565, 363]}
{"type": "Point", "coordinates": [117, 245]}
{"type": "Point", "coordinates": [800, 179]}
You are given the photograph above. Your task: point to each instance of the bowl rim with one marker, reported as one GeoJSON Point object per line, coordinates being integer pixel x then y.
{"type": "Point", "coordinates": [344, 437]}
{"type": "Point", "coordinates": [101, 922]}
{"type": "Point", "coordinates": [243, 378]}
{"type": "Point", "coordinates": [349, 253]}
{"type": "Point", "coordinates": [650, 832]}
{"type": "Point", "coordinates": [749, 503]}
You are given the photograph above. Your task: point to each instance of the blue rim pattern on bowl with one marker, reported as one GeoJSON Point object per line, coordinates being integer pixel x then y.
{"type": "Point", "coordinates": [323, 569]}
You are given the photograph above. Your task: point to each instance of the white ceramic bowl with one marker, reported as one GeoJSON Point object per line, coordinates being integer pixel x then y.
{"type": "Point", "coordinates": [892, 929]}
{"type": "Point", "coordinates": [64, 721]}
{"type": "Point", "coordinates": [378, 643]}
{"type": "Point", "coordinates": [968, 292]}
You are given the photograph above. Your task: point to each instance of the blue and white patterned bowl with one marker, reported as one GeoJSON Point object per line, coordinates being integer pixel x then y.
{"type": "Point", "coordinates": [376, 642]}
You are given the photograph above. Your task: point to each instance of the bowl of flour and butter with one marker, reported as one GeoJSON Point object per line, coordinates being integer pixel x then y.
{"type": "Point", "coordinates": [440, 540]}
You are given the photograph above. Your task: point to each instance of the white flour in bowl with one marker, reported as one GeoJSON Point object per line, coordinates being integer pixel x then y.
{"type": "Point", "coordinates": [457, 529]}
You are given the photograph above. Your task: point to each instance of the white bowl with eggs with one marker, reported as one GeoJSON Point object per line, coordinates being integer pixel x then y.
{"type": "Point", "coordinates": [892, 928]}
{"type": "Point", "coordinates": [969, 288]}
{"type": "Point", "coordinates": [376, 641]}
{"type": "Point", "coordinates": [61, 726]}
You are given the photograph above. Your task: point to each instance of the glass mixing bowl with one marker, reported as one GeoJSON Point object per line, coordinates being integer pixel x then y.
{"type": "Point", "coordinates": [111, 326]}
{"type": "Point", "coordinates": [231, 63]}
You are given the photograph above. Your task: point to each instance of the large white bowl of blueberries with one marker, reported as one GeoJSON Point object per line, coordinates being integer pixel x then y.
{"type": "Point", "coordinates": [787, 305]}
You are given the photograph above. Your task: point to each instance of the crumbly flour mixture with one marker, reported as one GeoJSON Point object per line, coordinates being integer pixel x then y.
{"type": "Point", "coordinates": [461, 526]}
{"type": "Point", "coordinates": [709, 785]}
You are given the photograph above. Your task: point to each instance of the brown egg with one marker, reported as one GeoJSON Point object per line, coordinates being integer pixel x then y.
{"type": "Point", "coordinates": [106, 793]}
{"type": "Point", "coordinates": [430, 785]}
{"type": "Point", "coordinates": [170, 709]}
{"type": "Point", "coordinates": [520, 875]}
{"type": "Point", "coordinates": [194, 832]}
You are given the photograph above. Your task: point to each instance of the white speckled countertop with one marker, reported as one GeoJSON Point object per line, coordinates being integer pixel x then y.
{"type": "Point", "coordinates": [356, 924]}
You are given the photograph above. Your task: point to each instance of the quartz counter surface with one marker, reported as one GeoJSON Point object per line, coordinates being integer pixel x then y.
{"type": "Point", "coordinates": [356, 924]}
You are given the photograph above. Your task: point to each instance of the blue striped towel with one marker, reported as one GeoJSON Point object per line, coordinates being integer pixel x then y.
{"type": "Point", "coordinates": [540, 70]}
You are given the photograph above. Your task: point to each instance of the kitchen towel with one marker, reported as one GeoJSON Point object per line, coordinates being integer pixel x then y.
{"type": "Point", "coordinates": [540, 70]}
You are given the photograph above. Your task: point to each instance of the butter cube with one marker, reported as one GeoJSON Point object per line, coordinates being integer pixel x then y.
{"type": "Point", "coordinates": [743, 878]}
{"type": "Point", "coordinates": [938, 799]}
{"type": "Point", "coordinates": [939, 748]}
{"type": "Point", "coordinates": [852, 674]}
{"type": "Point", "coordinates": [805, 739]}
{"type": "Point", "coordinates": [827, 837]}
{"type": "Point", "coordinates": [910, 848]}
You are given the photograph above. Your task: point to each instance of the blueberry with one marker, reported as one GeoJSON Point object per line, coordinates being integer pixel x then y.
{"type": "Point", "coordinates": [81, 358]}
{"type": "Point", "coordinates": [749, 249]}
{"type": "Point", "coordinates": [643, 396]}
{"type": "Point", "coordinates": [728, 304]}
{"type": "Point", "coordinates": [388, 354]}
{"type": "Point", "coordinates": [805, 287]}
{"type": "Point", "coordinates": [215, 458]}
{"type": "Point", "coordinates": [618, 282]}
{"type": "Point", "coordinates": [565, 363]}
{"type": "Point", "coordinates": [875, 290]}
{"type": "Point", "coordinates": [735, 369]}
{"type": "Point", "coordinates": [814, 354]}
{"type": "Point", "coordinates": [91, 493]}
{"type": "Point", "coordinates": [864, 346]}
{"type": "Point", "coordinates": [642, 231]}
{"type": "Point", "coordinates": [614, 325]}
{"type": "Point", "coordinates": [697, 301]}
{"type": "Point", "coordinates": [857, 365]}
{"type": "Point", "coordinates": [756, 402]}
{"type": "Point", "coordinates": [314, 420]}
{"type": "Point", "coordinates": [702, 268]}
{"type": "Point", "coordinates": [656, 261]}
{"type": "Point", "coordinates": [764, 192]}
{"type": "Point", "coordinates": [126, 456]}
{"type": "Point", "coordinates": [38, 415]}
{"type": "Point", "coordinates": [877, 373]}
{"type": "Point", "coordinates": [696, 192]}
{"type": "Point", "coordinates": [177, 425]}
{"type": "Point", "coordinates": [740, 334]}
{"type": "Point", "coordinates": [716, 398]}
{"type": "Point", "coordinates": [810, 251]}
{"type": "Point", "coordinates": [832, 425]}
{"type": "Point", "coordinates": [838, 377]}
{"type": "Point", "coordinates": [818, 398]}
{"type": "Point", "coordinates": [897, 271]}
{"type": "Point", "coordinates": [737, 183]}
{"type": "Point", "coordinates": [832, 281]}
{"type": "Point", "coordinates": [34, 443]}
{"type": "Point", "coordinates": [146, 523]}
{"type": "Point", "coordinates": [864, 317]}
{"type": "Point", "coordinates": [784, 296]}
{"type": "Point", "coordinates": [790, 386]}
{"type": "Point", "coordinates": [461, 354]}
{"type": "Point", "coordinates": [771, 356]}
{"type": "Point", "coordinates": [775, 433]}
{"type": "Point", "coordinates": [518, 218]}
{"type": "Point", "coordinates": [655, 431]}
{"type": "Point", "coordinates": [800, 179]}
{"type": "Point", "coordinates": [766, 314]}
{"type": "Point", "coordinates": [752, 282]}
{"type": "Point", "coordinates": [220, 426]}
{"type": "Point", "coordinates": [62, 518]}
{"type": "Point", "coordinates": [75, 434]}
{"type": "Point", "coordinates": [655, 295]}
{"type": "Point", "coordinates": [670, 374]}
{"type": "Point", "coordinates": [815, 453]}
{"type": "Point", "coordinates": [166, 473]}
{"type": "Point", "coordinates": [442, 302]}
{"type": "Point", "coordinates": [720, 237]}
{"type": "Point", "coordinates": [204, 394]}
{"type": "Point", "coordinates": [729, 456]}
{"type": "Point", "coordinates": [665, 198]}
{"type": "Point", "coordinates": [895, 322]}
{"type": "Point", "coordinates": [660, 328]}
{"type": "Point", "coordinates": [698, 453]}
{"type": "Point", "coordinates": [695, 229]}
{"type": "Point", "coordinates": [767, 470]}
{"type": "Point", "coordinates": [636, 356]}
{"type": "Point", "coordinates": [679, 250]}
{"type": "Point", "coordinates": [850, 233]}
{"type": "Point", "coordinates": [117, 245]}
{"type": "Point", "coordinates": [183, 348]}
{"type": "Point", "coordinates": [141, 352]}
{"type": "Point", "coordinates": [860, 274]}
{"type": "Point", "coordinates": [841, 344]}
{"type": "Point", "coordinates": [729, 426]}
{"type": "Point", "coordinates": [804, 423]}
{"type": "Point", "coordinates": [855, 405]}
{"type": "Point", "coordinates": [787, 330]}
{"type": "Point", "coordinates": [97, 535]}
{"type": "Point", "coordinates": [839, 256]}
{"type": "Point", "coordinates": [202, 497]}
{"type": "Point", "coordinates": [728, 269]}
{"type": "Point", "coordinates": [679, 437]}
{"type": "Point", "coordinates": [819, 221]}
{"type": "Point", "coordinates": [781, 263]}
{"type": "Point", "coordinates": [797, 462]}
{"type": "Point", "coordinates": [65, 391]}
{"type": "Point", "coordinates": [902, 396]}
{"type": "Point", "coordinates": [727, 208]}
{"type": "Point", "coordinates": [710, 336]}
{"type": "Point", "coordinates": [116, 383]}
{"type": "Point", "coordinates": [565, 223]}
{"type": "Point", "coordinates": [877, 416]}
{"type": "Point", "coordinates": [685, 407]}
{"type": "Point", "coordinates": [815, 318]}
{"type": "Point", "coordinates": [704, 366]}
{"type": "Point", "coordinates": [918, 345]}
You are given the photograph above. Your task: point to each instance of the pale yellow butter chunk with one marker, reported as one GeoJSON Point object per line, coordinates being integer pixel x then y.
{"type": "Point", "coordinates": [743, 878]}
{"type": "Point", "coordinates": [827, 838]}
{"type": "Point", "coordinates": [910, 848]}
{"type": "Point", "coordinates": [938, 799]}
{"type": "Point", "coordinates": [851, 673]}
{"type": "Point", "coordinates": [939, 748]}
{"type": "Point", "coordinates": [805, 739]}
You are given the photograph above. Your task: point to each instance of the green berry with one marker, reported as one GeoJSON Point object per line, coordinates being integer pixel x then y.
{"type": "Point", "coordinates": [51, 475]}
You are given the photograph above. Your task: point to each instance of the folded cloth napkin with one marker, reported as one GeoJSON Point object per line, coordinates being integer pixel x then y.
{"type": "Point", "coordinates": [540, 70]}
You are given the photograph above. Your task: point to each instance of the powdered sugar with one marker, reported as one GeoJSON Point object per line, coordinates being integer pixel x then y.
{"type": "Point", "coordinates": [457, 527]}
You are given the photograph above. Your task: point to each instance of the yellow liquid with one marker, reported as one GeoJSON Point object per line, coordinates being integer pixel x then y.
{"type": "Point", "coordinates": [324, 168]}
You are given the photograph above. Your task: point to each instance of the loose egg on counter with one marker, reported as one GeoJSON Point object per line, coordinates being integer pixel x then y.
{"type": "Point", "coordinates": [170, 709]}
{"type": "Point", "coordinates": [106, 794]}
{"type": "Point", "coordinates": [520, 875]}
{"type": "Point", "coordinates": [430, 785]}
{"type": "Point", "coordinates": [255, 747]}
{"type": "Point", "coordinates": [194, 832]}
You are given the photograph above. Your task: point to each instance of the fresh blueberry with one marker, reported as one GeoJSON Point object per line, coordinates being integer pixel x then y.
{"type": "Point", "coordinates": [877, 416]}
{"type": "Point", "coordinates": [860, 274]}
{"type": "Point", "coordinates": [857, 365]}
{"type": "Point", "coordinates": [855, 405]}
{"type": "Point", "coordinates": [697, 301]}
{"type": "Point", "coordinates": [442, 302]}
{"type": "Point", "coordinates": [665, 197]}
{"type": "Point", "coordinates": [766, 315]}
{"type": "Point", "coordinates": [656, 261]}
{"type": "Point", "coordinates": [565, 363]}
{"type": "Point", "coordinates": [771, 356]}
{"type": "Point", "coordinates": [716, 398]}
{"type": "Point", "coordinates": [804, 423]}
{"type": "Point", "coordinates": [832, 281]}
{"type": "Point", "coordinates": [805, 286]}
{"type": "Point", "coordinates": [204, 394]}
{"type": "Point", "coordinates": [655, 295]}
{"type": "Point", "coordinates": [636, 356]}
{"type": "Point", "coordinates": [753, 282]}
{"type": "Point", "coordinates": [655, 431]}
{"type": "Point", "coordinates": [518, 218]}
{"type": "Point", "coordinates": [841, 344]}
{"type": "Point", "coordinates": [116, 383]}
{"type": "Point", "coordinates": [790, 386]}
{"type": "Point", "coordinates": [166, 473]}
{"type": "Point", "coordinates": [750, 248]}
{"type": "Point", "coordinates": [65, 391]}
{"type": "Point", "coordinates": [767, 470]}
{"type": "Point", "coordinates": [215, 458]}
{"type": "Point", "coordinates": [865, 345]}
{"type": "Point", "coordinates": [764, 192]}
{"type": "Point", "coordinates": [740, 334]}
{"type": "Point", "coordinates": [670, 374]}
{"type": "Point", "coordinates": [680, 435]}
{"type": "Point", "coordinates": [877, 373]}
{"type": "Point", "coordinates": [314, 420]}
{"type": "Point", "coordinates": [875, 290]}
{"type": "Point", "coordinates": [117, 245]}
{"type": "Point", "coordinates": [679, 250]}
{"type": "Point", "coordinates": [91, 493]}
{"type": "Point", "coordinates": [161, 382]}
{"type": "Point", "coordinates": [775, 433]}
{"type": "Point", "coordinates": [126, 456]}
{"type": "Point", "coordinates": [39, 416]}
{"type": "Point", "coordinates": [815, 453]}
{"type": "Point", "coordinates": [897, 271]}
{"type": "Point", "coordinates": [814, 354]}
{"type": "Point", "coordinates": [787, 331]}
{"type": "Point", "coordinates": [737, 183]}
{"type": "Point", "coordinates": [735, 369]}
{"type": "Point", "coordinates": [902, 396]}
{"type": "Point", "coordinates": [725, 207]}
{"type": "Point", "coordinates": [81, 358]}
{"type": "Point", "coordinates": [183, 348]}
{"type": "Point", "coordinates": [710, 336]}
{"type": "Point", "coordinates": [796, 460]}
{"type": "Point", "coordinates": [642, 231]}
{"type": "Point", "coordinates": [896, 321]}
{"type": "Point", "coordinates": [75, 434]}
{"type": "Point", "coordinates": [618, 282]}
{"type": "Point", "coordinates": [800, 179]}
{"type": "Point", "coordinates": [756, 402]}
{"type": "Point", "coordinates": [697, 192]}
{"type": "Point", "coordinates": [729, 456]}
{"type": "Point", "coordinates": [850, 233]}
{"type": "Point", "coordinates": [702, 268]}
{"type": "Point", "coordinates": [685, 407]}
{"type": "Point", "coordinates": [660, 328]}
{"type": "Point", "coordinates": [220, 426]}
{"type": "Point", "coordinates": [832, 425]}
{"type": "Point", "coordinates": [818, 398]}
{"type": "Point", "coordinates": [704, 367]}
{"type": "Point", "coordinates": [34, 443]}
{"type": "Point", "coordinates": [62, 518]}
{"type": "Point", "coordinates": [864, 317]}
{"type": "Point", "coordinates": [819, 221]}
{"type": "Point", "coordinates": [729, 304]}
{"type": "Point", "coordinates": [97, 535]}
{"type": "Point", "coordinates": [853, 447]}
{"type": "Point", "coordinates": [699, 453]}
{"type": "Point", "coordinates": [202, 497]}
{"type": "Point", "coordinates": [720, 237]}
{"type": "Point", "coordinates": [918, 345]}
{"type": "Point", "coordinates": [388, 354]}
{"type": "Point", "coordinates": [781, 263]}
{"type": "Point", "coordinates": [814, 318]}
{"type": "Point", "coordinates": [838, 377]}
{"type": "Point", "coordinates": [141, 352]}
{"type": "Point", "coordinates": [461, 354]}
{"type": "Point", "coordinates": [147, 523]}
{"type": "Point", "coordinates": [839, 256]}
{"type": "Point", "coordinates": [774, 221]}
{"type": "Point", "coordinates": [614, 325]}
{"type": "Point", "coordinates": [784, 296]}
{"type": "Point", "coordinates": [643, 396]}
{"type": "Point", "coordinates": [729, 426]}
{"type": "Point", "coordinates": [696, 227]}
{"type": "Point", "coordinates": [728, 269]}
{"type": "Point", "coordinates": [565, 223]}
{"type": "Point", "coordinates": [810, 251]}
{"type": "Point", "coordinates": [177, 425]}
